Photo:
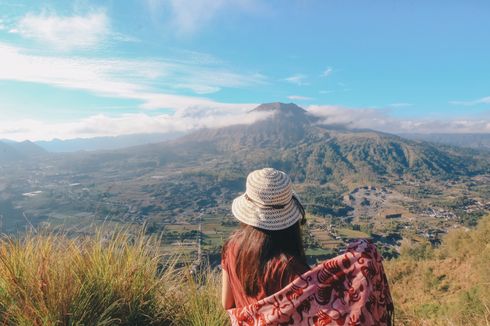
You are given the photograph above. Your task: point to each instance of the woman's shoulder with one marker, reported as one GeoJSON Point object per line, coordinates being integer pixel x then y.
{"type": "Point", "coordinates": [229, 250]}
{"type": "Point", "coordinates": [230, 244]}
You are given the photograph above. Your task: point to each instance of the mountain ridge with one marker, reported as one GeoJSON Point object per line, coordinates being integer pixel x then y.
{"type": "Point", "coordinates": [352, 150]}
{"type": "Point", "coordinates": [293, 140]}
{"type": "Point", "coordinates": [105, 142]}
{"type": "Point", "coordinates": [468, 140]}
{"type": "Point", "coordinates": [14, 151]}
{"type": "Point", "coordinates": [296, 142]}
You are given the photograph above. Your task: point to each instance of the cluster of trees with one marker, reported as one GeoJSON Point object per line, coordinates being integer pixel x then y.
{"type": "Point", "coordinates": [324, 201]}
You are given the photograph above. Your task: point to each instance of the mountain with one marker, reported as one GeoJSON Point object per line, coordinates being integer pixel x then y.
{"type": "Point", "coordinates": [477, 141]}
{"type": "Point", "coordinates": [14, 151]}
{"type": "Point", "coordinates": [291, 139]}
{"type": "Point", "coordinates": [28, 149]}
{"type": "Point", "coordinates": [285, 125]}
{"type": "Point", "coordinates": [7, 153]}
{"type": "Point", "coordinates": [206, 169]}
{"type": "Point", "coordinates": [296, 141]}
{"type": "Point", "coordinates": [104, 143]}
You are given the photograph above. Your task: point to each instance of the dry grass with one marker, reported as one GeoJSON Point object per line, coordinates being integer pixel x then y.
{"type": "Point", "coordinates": [119, 279]}
{"type": "Point", "coordinates": [446, 286]}
{"type": "Point", "coordinates": [53, 280]}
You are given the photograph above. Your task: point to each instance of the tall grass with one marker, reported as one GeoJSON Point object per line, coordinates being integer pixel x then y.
{"type": "Point", "coordinates": [103, 280]}
{"type": "Point", "coordinates": [449, 285]}
{"type": "Point", "coordinates": [120, 279]}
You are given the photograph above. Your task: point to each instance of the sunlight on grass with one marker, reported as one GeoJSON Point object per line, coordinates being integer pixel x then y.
{"type": "Point", "coordinates": [106, 280]}
{"type": "Point", "coordinates": [449, 285]}
{"type": "Point", "coordinates": [117, 278]}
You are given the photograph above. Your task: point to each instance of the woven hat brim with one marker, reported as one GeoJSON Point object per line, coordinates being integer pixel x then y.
{"type": "Point", "coordinates": [272, 219]}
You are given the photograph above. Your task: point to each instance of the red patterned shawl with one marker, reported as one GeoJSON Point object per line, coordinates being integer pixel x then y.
{"type": "Point", "coordinates": [350, 289]}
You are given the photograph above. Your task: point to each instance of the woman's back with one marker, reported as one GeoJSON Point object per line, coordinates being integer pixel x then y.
{"type": "Point", "coordinates": [267, 252]}
{"type": "Point", "coordinates": [263, 258]}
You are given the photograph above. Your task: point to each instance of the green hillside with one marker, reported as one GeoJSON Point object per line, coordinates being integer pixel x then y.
{"type": "Point", "coordinates": [206, 169]}
{"type": "Point", "coordinates": [449, 285]}
{"type": "Point", "coordinates": [297, 142]}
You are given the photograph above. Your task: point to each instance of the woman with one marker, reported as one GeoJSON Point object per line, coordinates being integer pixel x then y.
{"type": "Point", "coordinates": [266, 253]}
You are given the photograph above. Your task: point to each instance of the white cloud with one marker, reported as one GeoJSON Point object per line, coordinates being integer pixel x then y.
{"type": "Point", "coordinates": [188, 17]}
{"type": "Point", "coordinates": [297, 79]}
{"type": "Point", "coordinates": [382, 120]}
{"type": "Point", "coordinates": [202, 116]}
{"type": "Point", "coordinates": [183, 120]}
{"type": "Point", "coordinates": [327, 72]}
{"type": "Point", "coordinates": [299, 98]}
{"type": "Point", "coordinates": [130, 79]}
{"type": "Point", "coordinates": [65, 32]}
{"type": "Point", "coordinates": [483, 100]}
{"type": "Point", "coordinates": [355, 118]}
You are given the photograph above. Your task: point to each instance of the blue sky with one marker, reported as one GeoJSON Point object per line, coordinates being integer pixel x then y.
{"type": "Point", "coordinates": [93, 68]}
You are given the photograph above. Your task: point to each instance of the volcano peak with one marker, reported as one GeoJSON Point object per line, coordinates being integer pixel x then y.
{"type": "Point", "coordinates": [279, 107]}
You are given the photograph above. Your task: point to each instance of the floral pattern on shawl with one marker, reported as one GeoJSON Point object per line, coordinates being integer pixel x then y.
{"type": "Point", "coordinates": [350, 289]}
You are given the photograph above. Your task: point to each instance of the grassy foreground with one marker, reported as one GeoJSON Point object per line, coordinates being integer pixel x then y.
{"type": "Point", "coordinates": [449, 285]}
{"type": "Point", "coordinates": [56, 280]}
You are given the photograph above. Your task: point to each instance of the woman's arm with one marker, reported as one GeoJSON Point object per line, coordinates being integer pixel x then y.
{"type": "Point", "coordinates": [226, 295]}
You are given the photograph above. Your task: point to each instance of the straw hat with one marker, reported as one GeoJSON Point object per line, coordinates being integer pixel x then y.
{"type": "Point", "coordinates": [269, 202]}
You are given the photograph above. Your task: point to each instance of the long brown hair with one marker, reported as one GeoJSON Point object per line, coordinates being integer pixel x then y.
{"type": "Point", "coordinates": [256, 248]}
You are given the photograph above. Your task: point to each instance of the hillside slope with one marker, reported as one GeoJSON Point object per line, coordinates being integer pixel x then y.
{"type": "Point", "coordinates": [207, 168]}
{"type": "Point", "coordinates": [295, 141]}
{"type": "Point", "coordinates": [477, 141]}
{"type": "Point", "coordinates": [445, 286]}
{"type": "Point", "coordinates": [15, 151]}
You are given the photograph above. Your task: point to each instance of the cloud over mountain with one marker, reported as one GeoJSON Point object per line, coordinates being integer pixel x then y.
{"type": "Point", "coordinates": [201, 116]}
{"type": "Point", "coordinates": [183, 120]}
{"type": "Point", "coordinates": [383, 120]}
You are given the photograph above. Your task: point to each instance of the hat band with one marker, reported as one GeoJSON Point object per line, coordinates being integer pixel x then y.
{"type": "Point", "coordinates": [260, 205]}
